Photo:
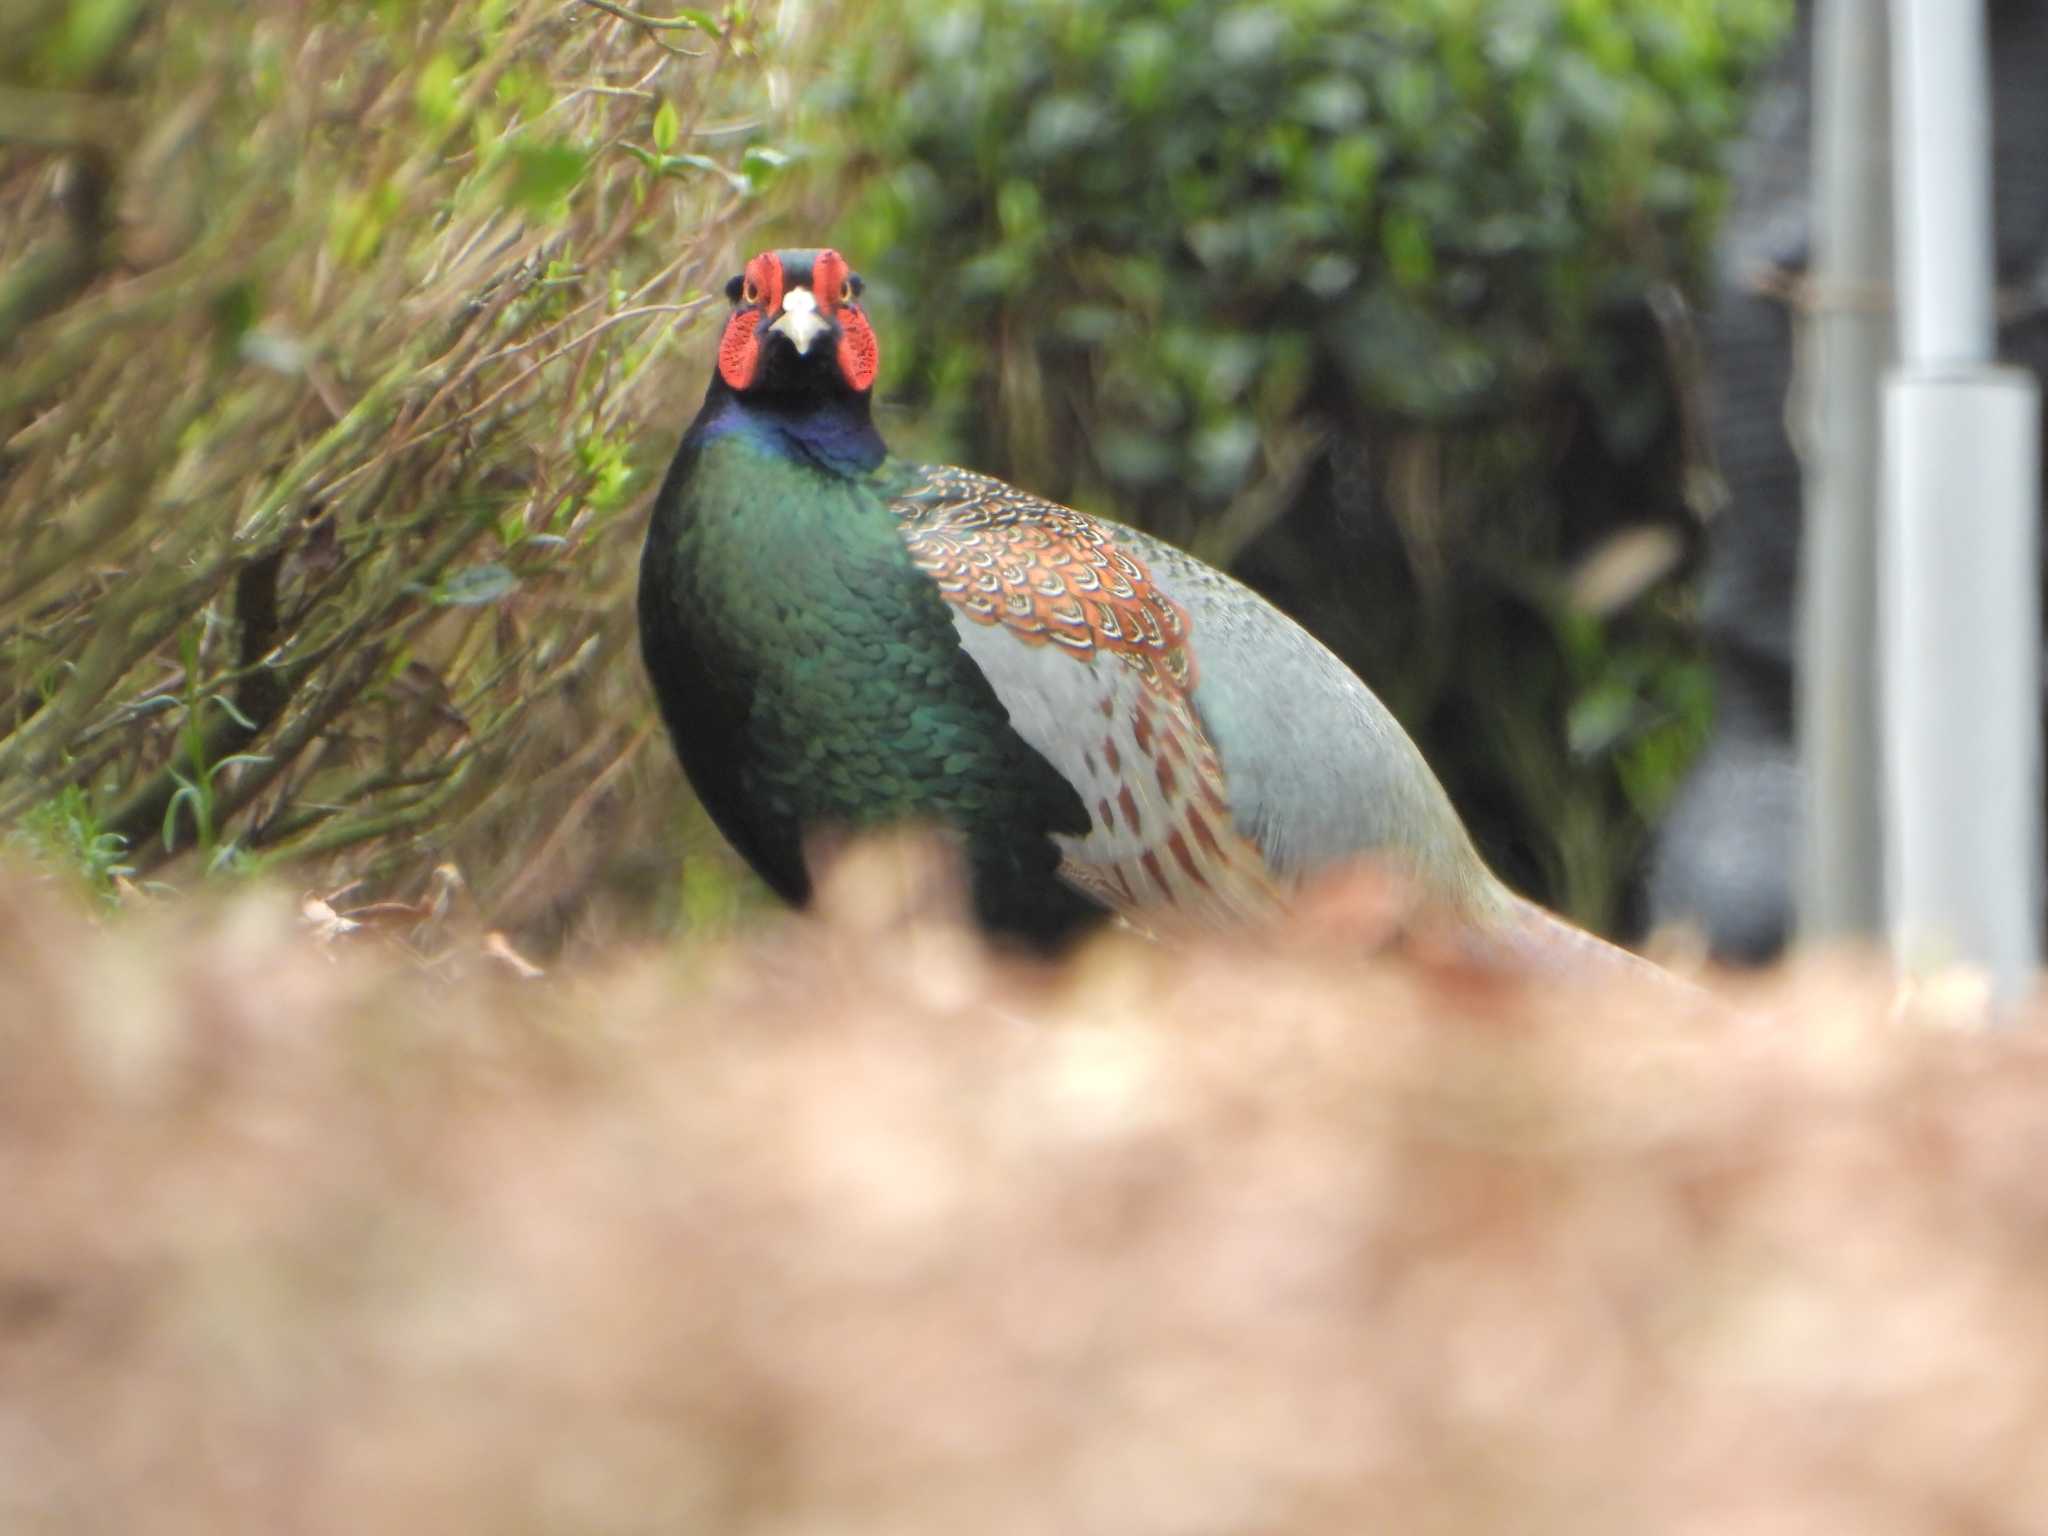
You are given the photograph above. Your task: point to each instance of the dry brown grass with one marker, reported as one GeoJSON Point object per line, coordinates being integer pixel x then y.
{"type": "Point", "coordinates": [339, 346]}
{"type": "Point", "coordinates": [856, 1227]}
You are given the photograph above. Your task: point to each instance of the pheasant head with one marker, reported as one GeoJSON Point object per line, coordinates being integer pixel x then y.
{"type": "Point", "coordinates": [797, 327]}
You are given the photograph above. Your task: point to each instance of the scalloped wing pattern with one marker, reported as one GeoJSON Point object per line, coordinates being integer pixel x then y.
{"type": "Point", "coordinates": [1096, 667]}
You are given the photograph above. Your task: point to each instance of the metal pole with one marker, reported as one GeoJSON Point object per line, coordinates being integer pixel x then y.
{"type": "Point", "coordinates": [1961, 563]}
{"type": "Point", "coordinates": [1941, 72]}
{"type": "Point", "coordinates": [1850, 339]}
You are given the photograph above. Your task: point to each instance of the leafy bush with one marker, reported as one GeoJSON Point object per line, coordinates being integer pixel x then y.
{"type": "Point", "coordinates": [1393, 283]}
{"type": "Point", "coordinates": [334, 345]}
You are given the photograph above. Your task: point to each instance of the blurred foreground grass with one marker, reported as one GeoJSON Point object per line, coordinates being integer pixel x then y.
{"type": "Point", "coordinates": [854, 1227]}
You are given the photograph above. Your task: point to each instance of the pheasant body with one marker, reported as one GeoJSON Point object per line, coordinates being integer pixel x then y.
{"type": "Point", "coordinates": [842, 639]}
{"type": "Point", "coordinates": [811, 677]}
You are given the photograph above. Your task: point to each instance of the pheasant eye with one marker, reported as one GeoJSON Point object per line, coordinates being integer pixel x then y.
{"type": "Point", "coordinates": [846, 291]}
{"type": "Point", "coordinates": [751, 292]}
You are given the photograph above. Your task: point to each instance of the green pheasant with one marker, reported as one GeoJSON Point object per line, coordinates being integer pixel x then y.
{"type": "Point", "coordinates": [839, 638]}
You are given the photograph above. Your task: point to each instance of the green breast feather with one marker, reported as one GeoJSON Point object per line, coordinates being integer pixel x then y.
{"type": "Point", "coordinates": [833, 689]}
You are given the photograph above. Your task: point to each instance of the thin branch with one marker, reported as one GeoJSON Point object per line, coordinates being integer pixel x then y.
{"type": "Point", "coordinates": [570, 822]}
{"type": "Point", "coordinates": [654, 25]}
{"type": "Point", "coordinates": [511, 384]}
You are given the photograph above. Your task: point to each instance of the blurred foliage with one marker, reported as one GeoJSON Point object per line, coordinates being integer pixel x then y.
{"type": "Point", "coordinates": [338, 347]}
{"type": "Point", "coordinates": [1380, 301]}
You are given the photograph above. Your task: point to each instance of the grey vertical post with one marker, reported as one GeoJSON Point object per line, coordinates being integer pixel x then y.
{"type": "Point", "coordinates": [1960, 563]}
{"type": "Point", "coordinates": [1849, 347]}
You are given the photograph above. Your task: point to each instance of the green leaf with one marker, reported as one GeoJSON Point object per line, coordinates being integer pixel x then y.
{"type": "Point", "coordinates": [666, 127]}
{"type": "Point", "coordinates": [1599, 718]}
{"type": "Point", "coordinates": [1406, 245]}
{"type": "Point", "coordinates": [438, 91]}
{"type": "Point", "coordinates": [703, 21]}
{"type": "Point", "coordinates": [92, 30]}
{"type": "Point", "coordinates": [759, 163]}
{"type": "Point", "coordinates": [476, 586]}
{"type": "Point", "coordinates": [234, 312]}
{"type": "Point", "coordinates": [673, 165]}
{"type": "Point", "coordinates": [543, 174]}
{"type": "Point", "coordinates": [233, 711]}
{"type": "Point", "coordinates": [188, 793]}
{"type": "Point", "coordinates": [358, 223]}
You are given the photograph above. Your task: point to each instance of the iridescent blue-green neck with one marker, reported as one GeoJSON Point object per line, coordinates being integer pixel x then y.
{"type": "Point", "coordinates": [833, 430]}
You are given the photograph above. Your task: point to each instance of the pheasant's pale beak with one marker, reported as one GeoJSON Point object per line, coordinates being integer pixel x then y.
{"type": "Point", "coordinates": [800, 320]}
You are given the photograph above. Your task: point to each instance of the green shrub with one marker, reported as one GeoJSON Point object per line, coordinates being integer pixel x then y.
{"type": "Point", "coordinates": [336, 345]}
{"type": "Point", "coordinates": [1392, 283]}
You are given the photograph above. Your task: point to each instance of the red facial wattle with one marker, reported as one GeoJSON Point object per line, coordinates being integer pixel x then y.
{"type": "Point", "coordinates": [832, 282]}
{"type": "Point", "coordinates": [764, 286]}
{"type": "Point", "coordinates": [739, 349]}
{"type": "Point", "coordinates": [858, 355]}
